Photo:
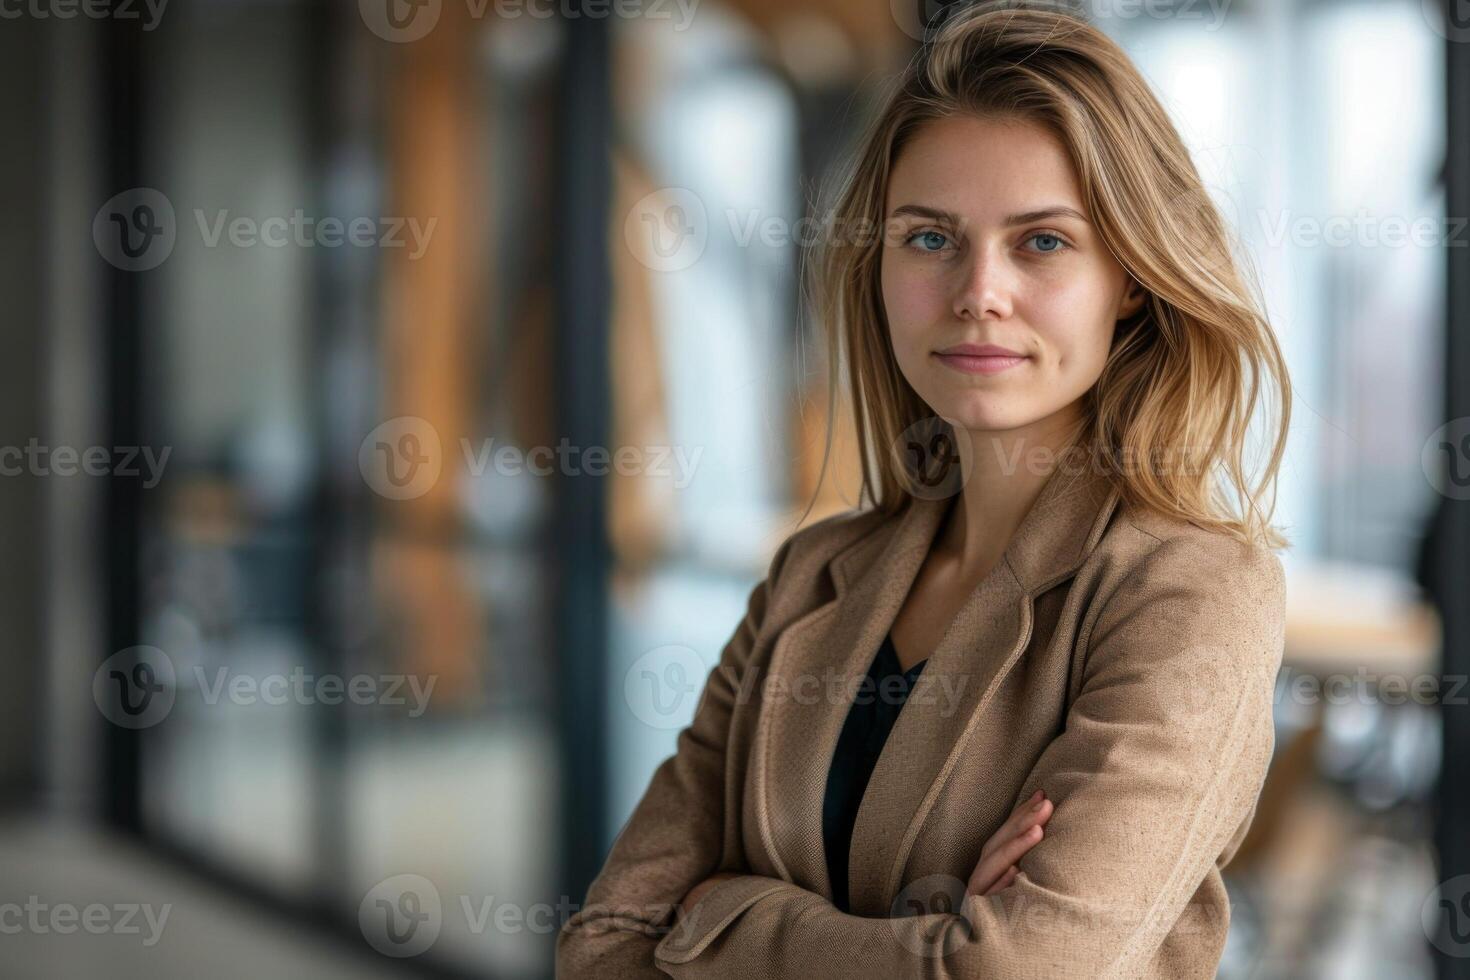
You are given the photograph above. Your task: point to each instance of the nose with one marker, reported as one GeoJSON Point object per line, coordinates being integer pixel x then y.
{"type": "Point", "coordinates": [984, 287]}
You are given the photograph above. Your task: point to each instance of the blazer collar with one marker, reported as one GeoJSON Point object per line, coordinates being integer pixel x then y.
{"type": "Point", "coordinates": [819, 659]}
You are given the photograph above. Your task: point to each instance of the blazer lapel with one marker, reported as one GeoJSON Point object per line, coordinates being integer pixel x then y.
{"type": "Point", "coordinates": [819, 660]}
{"type": "Point", "coordinates": [815, 667]}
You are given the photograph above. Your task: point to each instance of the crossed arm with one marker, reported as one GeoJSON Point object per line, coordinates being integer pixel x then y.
{"type": "Point", "coordinates": [1158, 768]}
{"type": "Point", "coordinates": [674, 838]}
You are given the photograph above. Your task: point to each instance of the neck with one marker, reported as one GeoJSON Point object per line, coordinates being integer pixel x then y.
{"type": "Point", "coordinates": [1008, 472]}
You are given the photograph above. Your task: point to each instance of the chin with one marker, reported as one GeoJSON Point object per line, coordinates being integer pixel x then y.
{"type": "Point", "coordinates": [987, 420]}
{"type": "Point", "coordinates": [981, 410]}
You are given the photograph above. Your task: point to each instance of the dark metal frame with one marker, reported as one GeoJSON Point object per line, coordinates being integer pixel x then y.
{"type": "Point", "coordinates": [24, 716]}
{"type": "Point", "coordinates": [582, 563]}
{"type": "Point", "coordinates": [1447, 555]}
{"type": "Point", "coordinates": [122, 98]}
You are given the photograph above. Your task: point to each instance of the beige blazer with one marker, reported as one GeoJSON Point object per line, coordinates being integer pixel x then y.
{"type": "Point", "coordinates": [1122, 661]}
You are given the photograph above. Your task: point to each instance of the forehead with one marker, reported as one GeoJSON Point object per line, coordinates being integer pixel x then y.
{"type": "Point", "coordinates": [983, 166]}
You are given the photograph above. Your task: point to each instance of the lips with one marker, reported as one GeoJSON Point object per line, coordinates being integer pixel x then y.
{"type": "Point", "coordinates": [981, 350]}
{"type": "Point", "coordinates": [980, 365]}
{"type": "Point", "coordinates": [980, 358]}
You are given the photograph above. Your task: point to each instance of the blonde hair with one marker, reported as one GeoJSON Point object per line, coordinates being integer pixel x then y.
{"type": "Point", "coordinates": [1185, 372]}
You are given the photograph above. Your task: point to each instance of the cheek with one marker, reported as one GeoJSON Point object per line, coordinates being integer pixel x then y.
{"type": "Point", "coordinates": [1077, 326]}
{"type": "Point", "coordinates": [910, 298]}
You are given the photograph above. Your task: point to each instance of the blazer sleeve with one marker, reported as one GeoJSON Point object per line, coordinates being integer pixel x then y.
{"type": "Point", "coordinates": [1160, 764]}
{"type": "Point", "coordinates": [675, 836]}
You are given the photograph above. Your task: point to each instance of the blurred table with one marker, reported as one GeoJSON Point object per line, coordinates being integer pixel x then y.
{"type": "Point", "coordinates": [1341, 619]}
{"type": "Point", "coordinates": [1342, 616]}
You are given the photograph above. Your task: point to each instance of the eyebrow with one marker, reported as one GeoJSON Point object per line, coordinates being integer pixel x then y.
{"type": "Point", "coordinates": [1024, 218]}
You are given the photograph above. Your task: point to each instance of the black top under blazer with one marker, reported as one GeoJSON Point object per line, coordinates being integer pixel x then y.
{"type": "Point", "coordinates": [875, 707]}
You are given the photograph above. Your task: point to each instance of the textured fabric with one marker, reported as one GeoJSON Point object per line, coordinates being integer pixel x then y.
{"type": "Point", "coordinates": [1122, 661]}
{"type": "Point", "coordinates": [875, 707]}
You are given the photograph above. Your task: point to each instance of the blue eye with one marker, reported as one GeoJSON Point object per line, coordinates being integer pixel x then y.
{"type": "Point", "coordinates": [930, 237]}
{"type": "Point", "coordinates": [1059, 247]}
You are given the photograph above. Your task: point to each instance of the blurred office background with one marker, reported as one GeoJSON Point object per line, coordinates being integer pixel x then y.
{"type": "Point", "coordinates": [380, 279]}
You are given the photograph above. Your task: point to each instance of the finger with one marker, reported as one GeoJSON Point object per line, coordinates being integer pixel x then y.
{"type": "Point", "coordinates": [990, 875]}
{"type": "Point", "coordinates": [1016, 823]}
{"type": "Point", "coordinates": [1029, 814]}
{"type": "Point", "coordinates": [1005, 880]}
{"type": "Point", "coordinates": [993, 865]}
{"type": "Point", "coordinates": [994, 886]}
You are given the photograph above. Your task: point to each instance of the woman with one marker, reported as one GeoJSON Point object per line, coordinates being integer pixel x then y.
{"type": "Point", "coordinates": [1076, 630]}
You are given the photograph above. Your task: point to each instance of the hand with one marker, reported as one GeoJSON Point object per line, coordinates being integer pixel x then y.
{"type": "Point", "coordinates": [1021, 832]}
{"type": "Point", "coordinates": [697, 892]}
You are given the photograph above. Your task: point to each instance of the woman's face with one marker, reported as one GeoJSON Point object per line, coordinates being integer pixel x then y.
{"type": "Point", "coordinates": [987, 243]}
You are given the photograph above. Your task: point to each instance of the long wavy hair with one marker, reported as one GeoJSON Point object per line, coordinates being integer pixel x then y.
{"type": "Point", "coordinates": [1185, 373]}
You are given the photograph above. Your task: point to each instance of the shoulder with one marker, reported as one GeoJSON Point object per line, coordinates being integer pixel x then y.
{"type": "Point", "coordinates": [816, 544]}
{"type": "Point", "coordinates": [1150, 549]}
{"type": "Point", "coordinates": [798, 578]}
{"type": "Point", "coordinates": [1161, 582]}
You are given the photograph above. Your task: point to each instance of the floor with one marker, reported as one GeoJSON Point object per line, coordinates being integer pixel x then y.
{"type": "Point", "coordinates": [78, 904]}
{"type": "Point", "coordinates": [1338, 898]}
